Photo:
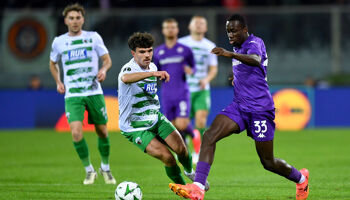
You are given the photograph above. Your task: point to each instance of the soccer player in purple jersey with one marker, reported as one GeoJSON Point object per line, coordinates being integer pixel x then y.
{"type": "Point", "coordinates": [178, 60]}
{"type": "Point", "coordinates": [251, 109]}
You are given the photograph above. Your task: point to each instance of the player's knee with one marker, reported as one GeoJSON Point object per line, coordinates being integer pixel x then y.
{"type": "Point", "coordinates": [268, 164]}
{"type": "Point", "coordinates": [77, 135]}
{"type": "Point", "coordinates": [168, 159]}
{"type": "Point", "coordinates": [182, 151]}
{"type": "Point", "coordinates": [207, 138]}
{"type": "Point", "coordinates": [201, 123]}
{"type": "Point", "coordinates": [181, 126]}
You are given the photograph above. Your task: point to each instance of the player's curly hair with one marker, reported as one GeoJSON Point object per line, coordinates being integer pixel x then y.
{"type": "Point", "coordinates": [73, 7]}
{"type": "Point", "coordinates": [140, 40]}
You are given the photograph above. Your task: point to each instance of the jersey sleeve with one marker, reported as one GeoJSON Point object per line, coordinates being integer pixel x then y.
{"type": "Point", "coordinates": [126, 69]}
{"type": "Point", "coordinates": [213, 59]}
{"type": "Point", "coordinates": [100, 47]}
{"type": "Point", "coordinates": [156, 59]}
{"type": "Point", "coordinates": [54, 54]}
{"type": "Point", "coordinates": [190, 60]}
{"type": "Point", "coordinates": [254, 47]}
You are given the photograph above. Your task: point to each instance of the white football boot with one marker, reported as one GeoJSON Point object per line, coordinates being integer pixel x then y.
{"type": "Point", "coordinates": [90, 178]}
{"type": "Point", "coordinates": [108, 177]}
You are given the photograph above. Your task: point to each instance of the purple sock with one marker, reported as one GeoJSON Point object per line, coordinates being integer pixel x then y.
{"type": "Point", "coordinates": [202, 172]}
{"type": "Point", "coordinates": [189, 130]}
{"type": "Point", "coordinates": [295, 175]}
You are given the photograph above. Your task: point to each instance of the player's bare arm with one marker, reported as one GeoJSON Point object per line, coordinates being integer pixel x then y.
{"type": "Point", "coordinates": [188, 70]}
{"type": "Point", "coordinates": [55, 72]}
{"type": "Point", "coordinates": [106, 65]}
{"type": "Point", "coordinates": [251, 60]}
{"type": "Point", "coordinates": [134, 77]}
{"type": "Point", "coordinates": [213, 71]}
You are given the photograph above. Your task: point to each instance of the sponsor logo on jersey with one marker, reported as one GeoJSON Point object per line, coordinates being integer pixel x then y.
{"type": "Point", "coordinates": [77, 54]}
{"type": "Point", "coordinates": [150, 88]}
{"type": "Point", "coordinates": [176, 59]}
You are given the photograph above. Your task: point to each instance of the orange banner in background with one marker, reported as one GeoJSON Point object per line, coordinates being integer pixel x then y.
{"type": "Point", "coordinates": [293, 109]}
{"type": "Point", "coordinates": [112, 113]}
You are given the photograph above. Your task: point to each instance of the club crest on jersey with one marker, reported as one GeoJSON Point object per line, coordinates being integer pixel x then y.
{"type": "Point", "coordinates": [77, 54]}
{"type": "Point", "coordinates": [150, 88]}
{"type": "Point", "coordinates": [180, 50]}
{"type": "Point", "coordinates": [161, 52]}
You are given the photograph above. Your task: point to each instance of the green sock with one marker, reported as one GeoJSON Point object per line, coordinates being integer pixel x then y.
{"type": "Point", "coordinates": [186, 162]}
{"type": "Point", "coordinates": [103, 147]}
{"type": "Point", "coordinates": [83, 152]}
{"type": "Point", "coordinates": [174, 173]}
{"type": "Point", "coordinates": [201, 130]}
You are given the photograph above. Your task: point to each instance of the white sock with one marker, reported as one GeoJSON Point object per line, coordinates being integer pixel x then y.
{"type": "Point", "coordinates": [105, 167]}
{"type": "Point", "coordinates": [199, 185]}
{"type": "Point", "coordinates": [187, 173]}
{"type": "Point", "coordinates": [89, 168]}
{"type": "Point", "coordinates": [302, 179]}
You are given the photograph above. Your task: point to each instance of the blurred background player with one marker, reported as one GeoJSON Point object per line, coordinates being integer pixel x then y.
{"type": "Point", "coordinates": [252, 109]}
{"type": "Point", "coordinates": [140, 120]}
{"type": "Point", "coordinates": [35, 83]}
{"type": "Point", "coordinates": [79, 52]}
{"type": "Point", "coordinates": [206, 70]}
{"type": "Point", "coordinates": [176, 59]}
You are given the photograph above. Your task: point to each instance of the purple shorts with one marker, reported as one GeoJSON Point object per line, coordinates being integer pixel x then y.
{"type": "Point", "coordinates": [259, 124]}
{"type": "Point", "coordinates": [173, 108]}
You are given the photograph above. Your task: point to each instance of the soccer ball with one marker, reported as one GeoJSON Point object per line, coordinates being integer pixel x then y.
{"type": "Point", "coordinates": [128, 191]}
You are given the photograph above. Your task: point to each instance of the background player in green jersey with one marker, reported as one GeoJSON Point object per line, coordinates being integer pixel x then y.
{"type": "Point", "coordinates": [206, 70]}
{"type": "Point", "coordinates": [79, 52]}
{"type": "Point", "coordinates": [140, 120]}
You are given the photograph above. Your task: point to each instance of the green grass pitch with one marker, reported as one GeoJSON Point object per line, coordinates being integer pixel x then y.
{"type": "Point", "coordinates": [42, 164]}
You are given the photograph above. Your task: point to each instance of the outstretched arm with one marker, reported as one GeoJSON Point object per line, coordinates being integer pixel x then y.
{"type": "Point", "coordinates": [134, 77]}
{"type": "Point", "coordinates": [251, 60]}
{"type": "Point", "coordinates": [55, 72]}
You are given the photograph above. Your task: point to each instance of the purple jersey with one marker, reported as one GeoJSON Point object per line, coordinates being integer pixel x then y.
{"type": "Point", "coordinates": [173, 61]}
{"type": "Point", "coordinates": [251, 91]}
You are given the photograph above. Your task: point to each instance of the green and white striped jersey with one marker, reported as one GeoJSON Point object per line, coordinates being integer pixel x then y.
{"type": "Point", "coordinates": [79, 56]}
{"type": "Point", "coordinates": [138, 102]}
{"type": "Point", "coordinates": [201, 51]}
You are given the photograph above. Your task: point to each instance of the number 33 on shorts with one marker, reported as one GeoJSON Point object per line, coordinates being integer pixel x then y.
{"type": "Point", "coordinates": [260, 126]}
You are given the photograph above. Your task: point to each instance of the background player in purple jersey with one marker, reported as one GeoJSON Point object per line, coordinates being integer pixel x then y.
{"type": "Point", "coordinates": [178, 60]}
{"type": "Point", "coordinates": [252, 109]}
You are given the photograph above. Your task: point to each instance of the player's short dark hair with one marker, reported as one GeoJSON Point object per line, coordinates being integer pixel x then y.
{"type": "Point", "coordinates": [73, 7]}
{"type": "Point", "coordinates": [237, 17]}
{"type": "Point", "coordinates": [170, 20]}
{"type": "Point", "coordinates": [140, 40]}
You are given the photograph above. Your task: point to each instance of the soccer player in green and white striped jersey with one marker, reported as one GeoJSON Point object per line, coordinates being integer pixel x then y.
{"type": "Point", "coordinates": [79, 52]}
{"type": "Point", "coordinates": [206, 70]}
{"type": "Point", "coordinates": [140, 120]}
